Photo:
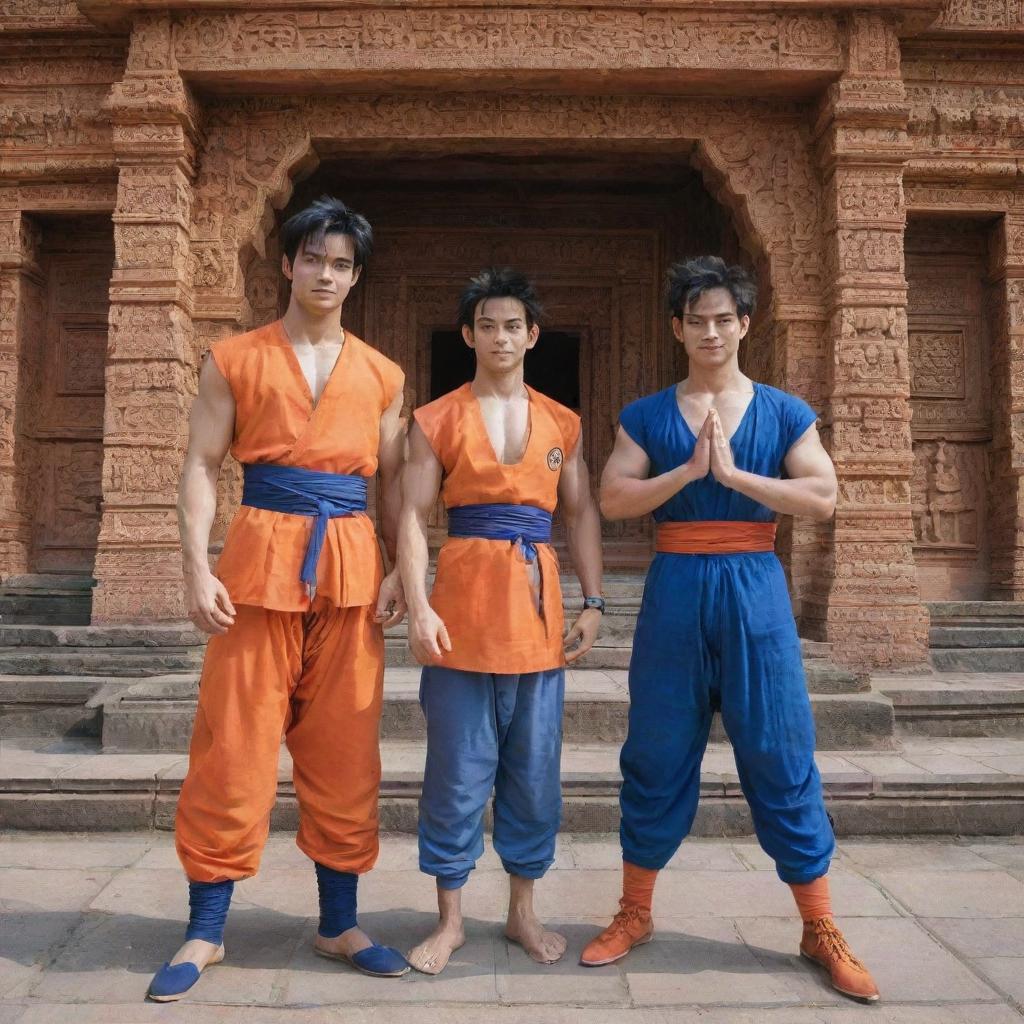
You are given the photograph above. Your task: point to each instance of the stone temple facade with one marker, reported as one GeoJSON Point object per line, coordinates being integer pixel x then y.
{"type": "Point", "coordinates": [867, 159]}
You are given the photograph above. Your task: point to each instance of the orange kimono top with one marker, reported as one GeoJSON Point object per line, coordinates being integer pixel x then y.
{"type": "Point", "coordinates": [482, 588]}
{"type": "Point", "coordinates": [276, 421]}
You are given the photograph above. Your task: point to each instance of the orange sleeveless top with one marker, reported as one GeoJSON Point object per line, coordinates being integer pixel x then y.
{"type": "Point", "coordinates": [276, 421]}
{"type": "Point", "coordinates": [482, 588]}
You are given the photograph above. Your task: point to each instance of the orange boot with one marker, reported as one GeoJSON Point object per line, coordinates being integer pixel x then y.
{"type": "Point", "coordinates": [823, 944]}
{"type": "Point", "coordinates": [632, 925]}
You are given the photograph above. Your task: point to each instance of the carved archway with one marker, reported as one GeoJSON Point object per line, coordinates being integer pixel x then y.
{"type": "Point", "coordinates": [256, 148]}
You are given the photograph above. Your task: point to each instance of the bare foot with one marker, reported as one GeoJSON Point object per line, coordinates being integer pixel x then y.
{"type": "Point", "coordinates": [431, 956]}
{"type": "Point", "coordinates": [543, 946]}
{"type": "Point", "coordinates": [347, 943]}
{"type": "Point", "coordinates": [198, 952]}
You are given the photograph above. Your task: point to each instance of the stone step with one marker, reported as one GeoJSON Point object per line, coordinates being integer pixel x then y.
{"type": "Point", "coordinates": [956, 703]}
{"type": "Point", "coordinates": [174, 634]}
{"type": "Point", "coordinates": [976, 636]}
{"type": "Point", "coordinates": [978, 659]}
{"type": "Point", "coordinates": [156, 714]}
{"type": "Point", "coordinates": [49, 706]}
{"type": "Point", "coordinates": [45, 598]}
{"type": "Point", "coordinates": [989, 613]}
{"type": "Point", "coordinates": [99, 661]}
{"type": "Point", "coordinates": [618, 625]}
{"type": "Point", "coordinates": [949, 786]}
{"type": "Point", "coordinates": [610, 653]}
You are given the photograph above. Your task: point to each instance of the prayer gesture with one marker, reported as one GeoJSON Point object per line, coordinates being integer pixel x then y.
{"type": "Point", "coordinates": [427, 635]}
{"type": "Point", "coordinates": [700, 461]}
{"type": "Point", "coordinates": [722, 465]}
{"type": "Point", "coordinates": [581, 637]}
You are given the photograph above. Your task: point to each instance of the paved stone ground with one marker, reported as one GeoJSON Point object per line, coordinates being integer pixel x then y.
{"type": "Point", "coordinates": [87, 918]}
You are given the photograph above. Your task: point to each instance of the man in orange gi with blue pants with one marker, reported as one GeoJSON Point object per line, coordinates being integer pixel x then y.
{"type": "Point", "coordinates": [490, 634]}
{"type": "Point", "coordinates": [299, 600]}
{"type": "Point", "coordinates": [714, 459]}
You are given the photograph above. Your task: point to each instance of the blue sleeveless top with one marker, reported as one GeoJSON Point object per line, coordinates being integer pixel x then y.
{"type": "Point", "coordinates": [772, 423]}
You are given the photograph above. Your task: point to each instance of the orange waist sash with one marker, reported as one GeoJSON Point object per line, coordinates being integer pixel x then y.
{"type": "Point", "coordinates": [711, 537]}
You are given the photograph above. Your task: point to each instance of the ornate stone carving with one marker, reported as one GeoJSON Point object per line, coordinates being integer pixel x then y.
{"type": "Point", "coordinates": [982, 14]}
{"type": "Point", "coordinates": [539, 37]}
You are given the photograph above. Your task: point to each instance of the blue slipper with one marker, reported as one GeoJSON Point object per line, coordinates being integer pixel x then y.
{"type": "Point", "coordinates": [171, 983]}
{"type": "Point", "coordinates": [376, 961]}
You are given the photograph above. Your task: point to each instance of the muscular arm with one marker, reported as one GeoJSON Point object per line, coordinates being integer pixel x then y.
{"type": "Point", "coordinates": [626, 491]}
{"type": "Point", "coordinates": [811, 488]}
{"type": "Point", "coordinates": [210, 428]}
{"type": "Point", "coordinates": [390, 455]}
{"type": "Point", "coordinates": [421, 483]}
{"type": "Point", "coordinates": [582, 521]}
{"type": "Point", "coordinates": [583, 530]}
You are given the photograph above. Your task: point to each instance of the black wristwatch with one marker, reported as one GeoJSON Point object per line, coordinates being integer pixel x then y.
{"type": "Point", "coordinates": [594, 602]}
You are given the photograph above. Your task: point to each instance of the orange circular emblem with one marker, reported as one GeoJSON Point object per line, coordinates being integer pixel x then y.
{"type": "Point", "coordinates": [555, 459]}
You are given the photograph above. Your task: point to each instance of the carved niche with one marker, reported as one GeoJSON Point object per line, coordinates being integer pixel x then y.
{"type": "Point", "coordinates": [64, 394]}
{"type": "Point", "coordinates": [950, 356]}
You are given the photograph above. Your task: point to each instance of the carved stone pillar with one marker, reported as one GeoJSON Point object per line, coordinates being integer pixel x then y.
{"type": "Point", "coordinates": [800, 368]}
{"type": "Point", "coordinates": [21, 327]}
{"type": "Point", "coordinates": [151, 368]}
{"type": "Point", "coordinates": [872, 612]}
{"type": "Point", "coordinates": [1007, 488]}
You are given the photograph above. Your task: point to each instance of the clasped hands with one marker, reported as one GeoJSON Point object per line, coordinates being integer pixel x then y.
{"type": "Point", "coordinates": [712, 453]}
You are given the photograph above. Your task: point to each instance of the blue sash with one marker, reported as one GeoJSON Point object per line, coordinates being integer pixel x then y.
{"type": "Point", "coordinates": [526, 524]}
{"type": "Point", "coordinates": [304, 492]}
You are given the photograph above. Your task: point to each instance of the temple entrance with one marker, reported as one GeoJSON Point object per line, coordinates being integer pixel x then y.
{"type": "Point", "coordinates": [595, 235]}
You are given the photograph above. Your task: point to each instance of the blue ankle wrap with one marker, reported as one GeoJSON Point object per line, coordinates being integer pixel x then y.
{"type": "Point", "coordinates": [337, 900]}
{"type": "Point", "coordinates": [208, 904]}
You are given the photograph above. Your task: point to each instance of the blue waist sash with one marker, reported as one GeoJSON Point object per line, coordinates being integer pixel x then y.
{"type": "Point", "coordinates": [304, 492]}
{"type": "Point", "coordinates": [526, 524]}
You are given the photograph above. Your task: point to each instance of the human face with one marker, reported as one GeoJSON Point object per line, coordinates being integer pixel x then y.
{"type": "Point", "coordinates": [322, 275]}
{"type": "Point", "coordinates": [500, 335]}
{"type": "Point", "coordinates": [710, 329]}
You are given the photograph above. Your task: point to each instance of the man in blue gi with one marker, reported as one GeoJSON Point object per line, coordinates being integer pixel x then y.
{"type": "Point", "coordinates": [714, 459]}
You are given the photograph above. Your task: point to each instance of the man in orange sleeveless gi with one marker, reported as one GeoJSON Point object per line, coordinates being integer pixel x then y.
{"type": "Point", "coordinates": [297, 606]}
{"type": "Point", "coordinates": [715, 458]}
{"type": "Point", "coordinates": [490, 635]}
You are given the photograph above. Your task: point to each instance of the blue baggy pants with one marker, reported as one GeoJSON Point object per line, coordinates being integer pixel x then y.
{"type": "Point", "coordinates": [717, 631]}
{"type": "Point", "coordinates": [487, 731]}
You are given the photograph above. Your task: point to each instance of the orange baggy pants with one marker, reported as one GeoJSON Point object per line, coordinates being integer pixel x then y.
{"type": "Point", "coordinates": [317, 677]}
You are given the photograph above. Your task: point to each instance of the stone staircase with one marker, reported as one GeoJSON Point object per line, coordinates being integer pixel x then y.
{"type": "Point", "coordinates": [974, 686]}
{"type": "Point", "coordinates": [977, 636]}
{"type": "Point", "coordinates": [94, 725]}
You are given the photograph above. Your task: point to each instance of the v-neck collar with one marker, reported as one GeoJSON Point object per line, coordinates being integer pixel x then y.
{"type": "Point", "coordinates": [482, 424]}
{"type": "Point", "coordinates": [314, 403]}
{"type": "Point", "coordinates": [739, 426]}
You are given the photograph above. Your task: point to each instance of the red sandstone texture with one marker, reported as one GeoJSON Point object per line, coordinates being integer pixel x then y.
{"type": "Point", "coordinates": [866, 161]}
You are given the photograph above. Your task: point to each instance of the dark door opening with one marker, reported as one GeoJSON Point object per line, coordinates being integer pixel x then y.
{"type": "Point", "coordinates": [552, 365]}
